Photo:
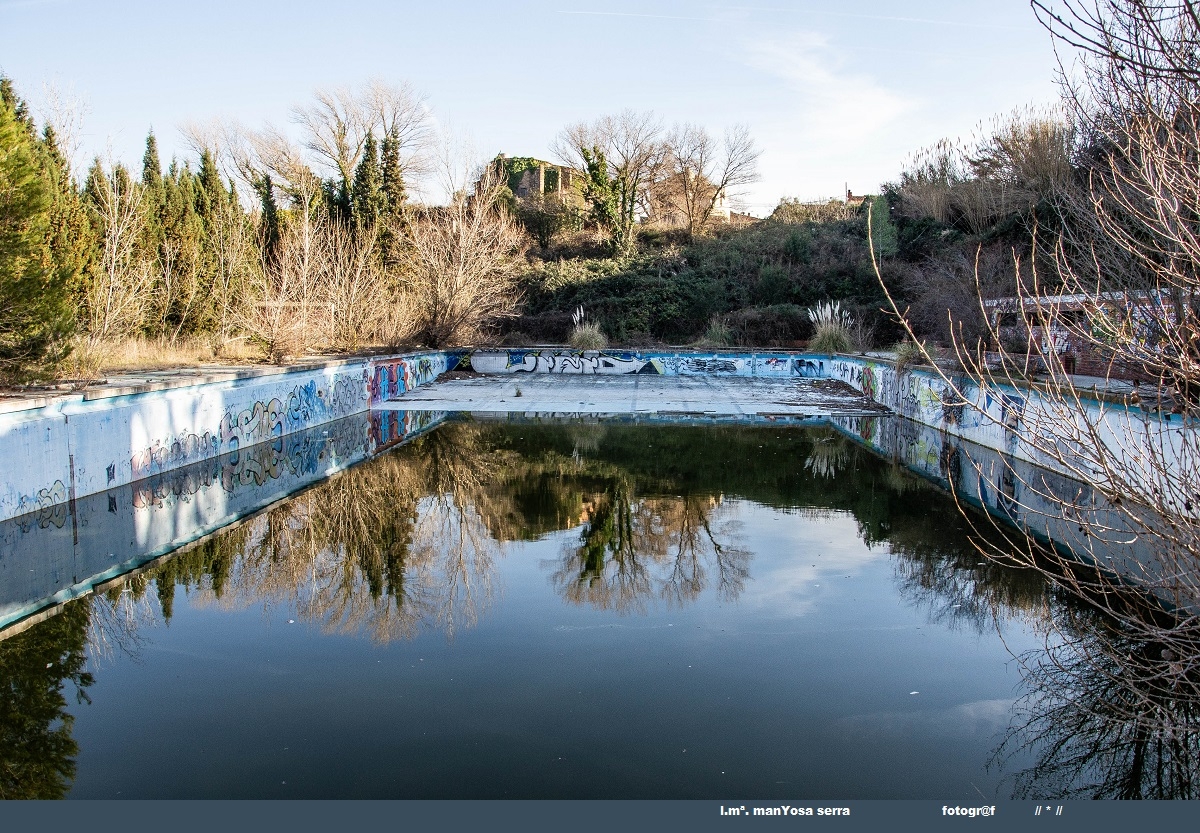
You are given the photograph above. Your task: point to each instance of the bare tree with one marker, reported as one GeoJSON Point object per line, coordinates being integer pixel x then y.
{"type": "Point", "coordinates": [702, 173]}
{"type": "Point", "coordinates": [116, 290]}
{"type": "Point", "coordinates": [351, 280]}
{"type": "Point", "coordinates": [1128, 258]}
{"type": "Point", "coordinates": [626, 148]}
{"type": "Point", "coordinates": [284, 311]}
{"type": "Point", "coordinates": [337, 122]}
{"type": "Point", "coordinates": [235, 259]}
{"type": "Point", "coordinates": [461, 264]}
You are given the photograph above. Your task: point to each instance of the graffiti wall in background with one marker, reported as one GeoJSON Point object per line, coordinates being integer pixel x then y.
{"type": "Point", "coordinates": [395, 376]}
{"type": "Point", "coordinates": [652, 362]}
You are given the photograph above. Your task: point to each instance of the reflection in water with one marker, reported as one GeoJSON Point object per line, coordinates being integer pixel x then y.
{"type": "Point", "coordinates": [37, 750]}
{"type": "Point", "coordinates": [1111, 702]}
{"type": "Point", "coordinates": [409, 542]}
{"type": "Point", "coordinates": [386, 548]}
{"type": "Point", "coordinates": [633, 549]}
{"type": "Point", "coordinates": [1109, 713]}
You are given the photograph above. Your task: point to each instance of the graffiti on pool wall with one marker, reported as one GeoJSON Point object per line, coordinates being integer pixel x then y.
{"type": "Point", "coordinates": [49, 504]}
{"type": "Point", "coordinates": [807, 368]}
{"type": "Point", "coordinates": [575, 361]}
{"type": "Point", "coordinates": [397, 377]}
{"type": "Point", "coordinates": [711, 366]}
{"type": "Point", "coordinates": [305, 405]}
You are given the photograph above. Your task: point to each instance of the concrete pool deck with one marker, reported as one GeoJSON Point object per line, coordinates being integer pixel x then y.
{"type": "Point", "coordinates": [636, 394]}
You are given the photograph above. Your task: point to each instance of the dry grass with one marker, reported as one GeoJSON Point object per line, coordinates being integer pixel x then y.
{"type": "Point", "coordinates": [90, 358]}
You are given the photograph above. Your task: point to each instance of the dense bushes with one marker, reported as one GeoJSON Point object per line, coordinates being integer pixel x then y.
{"type": "Point", "coordinates": [758, 279]}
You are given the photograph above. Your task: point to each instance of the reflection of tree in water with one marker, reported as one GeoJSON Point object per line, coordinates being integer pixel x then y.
{"type": "Point", "coordinates": [939, 567]}
{"type": "Point", "coordinates": [385, 548]}
{"type": "Point", "coordinates": [632, 550]}
{"type": "Point", "coordinates": [1109, 713]}
{"type": "Point", "coordinates": [37, 751]}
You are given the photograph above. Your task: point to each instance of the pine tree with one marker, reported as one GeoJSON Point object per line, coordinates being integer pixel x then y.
{"type": "Point", "coordinates": [368, 192]}
{"type": "Point", "coordinates": [35, 310]}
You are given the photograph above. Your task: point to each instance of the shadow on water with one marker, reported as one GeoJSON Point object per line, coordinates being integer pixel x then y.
{"type": "Point", "coordinates": [408, 543]}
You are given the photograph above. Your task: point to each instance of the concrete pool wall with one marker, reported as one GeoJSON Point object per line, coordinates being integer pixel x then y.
{"type": "Point", "coordinates": [81, 444]}
{"type": "Point", "coordinates": [994, 416]}
{"type": "Point", "coordinates": [195, 458]}
{"type": "Point", "coordinates": [76, 445]}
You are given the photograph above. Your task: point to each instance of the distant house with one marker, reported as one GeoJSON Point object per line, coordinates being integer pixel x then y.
{"type": "Point", "coordinates": [852, 200]}
{"type": "Point", "coordinates": [665, 204]}
{"type": "Point", "coordinates": [527, 176]}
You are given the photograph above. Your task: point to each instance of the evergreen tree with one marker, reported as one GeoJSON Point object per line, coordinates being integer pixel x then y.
{"type": "Point", "coordinates": [394, 194]}
{"type": "Point", "coordinates": [35, 311]}
{"type": "Point", "coordinates": [337, 198]}
{"type": "Point", "coordinates": [70, 243]}
{"type": "Point", "coordinates": [211, 192]}
{"type": "Point", "coordinates": [151, 166]}
{"type": "Point", "coordinates": [268, 228]}
{"type": "Point", "coordinates": [368, 190]}
{"type": "Point", "coordinates": [155, 197]}
{"type": "Point", "coordinates": [394, 197]}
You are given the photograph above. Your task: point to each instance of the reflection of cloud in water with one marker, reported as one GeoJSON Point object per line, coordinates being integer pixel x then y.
{"type": "Point", "coordinates": [796, 551]}
{"type": "Point", "coordinates": [974, 718]}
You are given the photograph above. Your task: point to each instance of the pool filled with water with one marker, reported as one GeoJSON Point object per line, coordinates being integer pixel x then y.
{"type": "Point", "coordinates": [527, 609]}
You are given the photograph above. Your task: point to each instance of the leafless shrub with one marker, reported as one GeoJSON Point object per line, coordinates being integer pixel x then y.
{"type": "Point", "coordinates": [284, 313]}
{"type": "Point", "coordinates": [461, 265]}
{"type": "Point", "coordinates": [116, 290]}
{"type": "Point", "coordinates": [1128, 261]}
{"type": "Point", "coordinates": [795, 211]}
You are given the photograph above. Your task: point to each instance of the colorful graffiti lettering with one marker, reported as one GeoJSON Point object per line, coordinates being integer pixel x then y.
{"type": "Point", "coordinates": [867, 383]}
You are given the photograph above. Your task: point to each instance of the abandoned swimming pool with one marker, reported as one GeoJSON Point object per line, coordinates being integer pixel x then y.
{"type": "Point", "coordinates": [526, 608]}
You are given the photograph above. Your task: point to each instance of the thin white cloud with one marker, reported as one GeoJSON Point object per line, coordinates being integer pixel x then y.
{"type": "Point", "coordinates": [827, 124]}
{"type": "Point", "coordinates": [837, 105]}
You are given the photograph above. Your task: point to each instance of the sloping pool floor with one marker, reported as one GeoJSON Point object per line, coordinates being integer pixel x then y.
{"type": "Point", "coordinates": [637, 394]}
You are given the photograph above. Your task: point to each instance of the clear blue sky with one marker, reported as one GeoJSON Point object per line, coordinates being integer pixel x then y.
{"type": "Point", "coordinates": [833, 92]}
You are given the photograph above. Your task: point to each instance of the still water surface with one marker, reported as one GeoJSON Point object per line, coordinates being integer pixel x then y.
{"type": "Point", "coordinates": [578, 610]}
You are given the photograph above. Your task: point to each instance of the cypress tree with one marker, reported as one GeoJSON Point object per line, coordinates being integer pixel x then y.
{"type": "Point", "coordinates": [211, 191]}
{"type": "Point", "coordinates": [35, 310]}
{"type": "Point", "coordinates": [70, 244]}
{"type": "Point", "coordinates": [269, 222]}
{"type": "Point", "coordinates": [368, 193]}
{"type": "Point", "coordinates": [394, 193]}
{"type": "Point", "coordinates": [151, 166]}
{"type": "Point", "coordinates": [394, 197]}
{"type": "Point", "coordinates": [155, 198]}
